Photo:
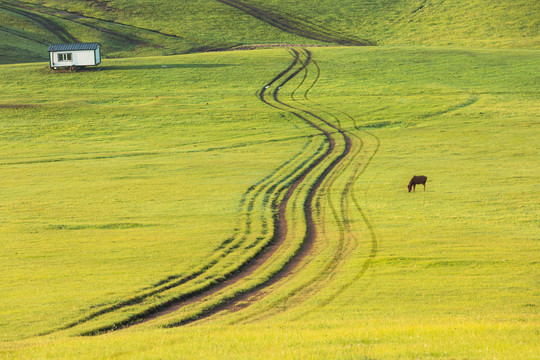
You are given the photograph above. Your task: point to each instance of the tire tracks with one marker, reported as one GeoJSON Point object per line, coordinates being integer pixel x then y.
{"type": "Point", "coordinates": [49, 25]}
{"type": "Point", "coordinates": [294, 25]}
{"type": "Point", "coordinates": [281, 227]}
{"type": "Point", "coordinates": [347, 241]}
{"type": "Point", "coordinates": [327, 175]}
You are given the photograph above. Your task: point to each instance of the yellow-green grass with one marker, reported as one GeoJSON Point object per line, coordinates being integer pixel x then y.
{"type": "Point", "coordinates": [447, 273]}
{"type": "Point", "coordinates": [366, 339]}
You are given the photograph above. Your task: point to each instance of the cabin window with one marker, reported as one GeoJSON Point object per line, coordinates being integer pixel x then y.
{"type": "Point", "coordinates": [64, 57]}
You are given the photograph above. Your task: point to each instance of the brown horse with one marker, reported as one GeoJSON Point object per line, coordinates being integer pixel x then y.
{"type": "Point", "coordinates": [417, 180]}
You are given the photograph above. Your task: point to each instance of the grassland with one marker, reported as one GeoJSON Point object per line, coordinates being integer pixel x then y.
{"type": "Point", "coordinates": [480, 23]}
{"type": "Point", "coordinates": [138, 27]}
{"type": "Point", "coordinates": [130, 28]}
{"type": "Point", "coordinates": [118, 181]}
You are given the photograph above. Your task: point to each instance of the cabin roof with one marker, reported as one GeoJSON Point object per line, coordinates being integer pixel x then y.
{"type": "Point", "coordinates": [73, 47]}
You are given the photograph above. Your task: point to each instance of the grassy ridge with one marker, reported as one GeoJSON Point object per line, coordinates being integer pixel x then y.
{"type": "Point", "coordinates": [138, 27]}
{"type": "Point", "coordinates": [481, 23]}
{"type": "Point", "coordinates": [130, 28]}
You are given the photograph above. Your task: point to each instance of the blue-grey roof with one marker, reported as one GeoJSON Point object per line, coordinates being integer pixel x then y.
{"type": "Point", "coordinates": [73, 47]}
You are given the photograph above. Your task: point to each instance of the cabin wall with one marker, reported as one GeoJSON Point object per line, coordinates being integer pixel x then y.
{"type": "Point", "coordinates": [78, 58]}
{"type": "Point", "coordinates": [98, 55]}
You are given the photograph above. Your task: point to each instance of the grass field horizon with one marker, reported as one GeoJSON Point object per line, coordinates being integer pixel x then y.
{"type": "Point", "coordinates": [122, 180]}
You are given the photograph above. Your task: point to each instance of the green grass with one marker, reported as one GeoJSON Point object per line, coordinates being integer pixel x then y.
{"type": "Point", "coordinates": [116, 180]}
{"type": "Point", "coordinates": [481, 23]}
{"type": "Point", "coordinates": [138, 27]}
{"type": "Point", "coordinates": [131, 28]}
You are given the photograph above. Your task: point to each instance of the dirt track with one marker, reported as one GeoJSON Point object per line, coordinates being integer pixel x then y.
{"type": "Point", "coordinates": [308, 210]}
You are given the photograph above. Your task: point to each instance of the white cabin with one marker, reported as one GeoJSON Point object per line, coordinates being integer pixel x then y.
{"type": "Point", "coordinates": [74, 55]}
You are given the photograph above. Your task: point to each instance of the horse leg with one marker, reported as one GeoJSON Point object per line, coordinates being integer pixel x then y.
{"type": "Point", "coordinates": [424, 186]}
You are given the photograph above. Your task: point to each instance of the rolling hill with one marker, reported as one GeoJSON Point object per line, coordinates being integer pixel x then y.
{"type": "Point", "coordinates": [137, 28]}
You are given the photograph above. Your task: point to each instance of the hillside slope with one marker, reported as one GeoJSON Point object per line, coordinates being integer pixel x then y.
{"type": "Point", "coordinates": [479, 23]}
{"type": "Point", "coordinates": [143, 27]}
